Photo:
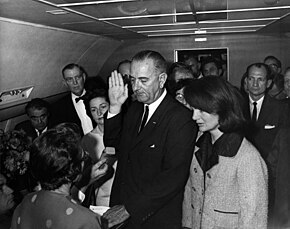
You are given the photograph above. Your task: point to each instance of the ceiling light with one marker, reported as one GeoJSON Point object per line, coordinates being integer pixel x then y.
{"type": "Point", "coordinates": [200, 32]}
{"type": "Point", "coordinates": [201, 22]}
{"type": "Point", "coordinates": [56, 12]}
{"type": "Point", "coordinates": [200, 39]}
{"type": "Point", "coordinates": [93, 3]}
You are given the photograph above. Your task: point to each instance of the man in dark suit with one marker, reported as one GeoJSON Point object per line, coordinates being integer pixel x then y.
{"type": "Point", "coordinates": [71, 108]}
{"type": "Point", "coordinates": [269, 114]}
{"type": "Point", "coordinates": [38, 113]}
{"type": "Point", "coordinates": [154, 148]}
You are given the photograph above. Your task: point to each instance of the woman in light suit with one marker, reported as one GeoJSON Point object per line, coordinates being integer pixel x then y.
{"type": "Point", "coordinates": [227, 187]}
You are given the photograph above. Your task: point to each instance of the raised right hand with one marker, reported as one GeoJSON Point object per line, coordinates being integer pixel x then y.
{"type": "Point", "coordinates": [118, 92]}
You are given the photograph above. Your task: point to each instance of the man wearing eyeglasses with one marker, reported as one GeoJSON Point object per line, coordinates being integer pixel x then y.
{"type": "Point", "coordinates": [38, 113]}
{"type": "Point", "coordinates": [276, 89]}
{"type": "Point", "coordinates": [71, 108]}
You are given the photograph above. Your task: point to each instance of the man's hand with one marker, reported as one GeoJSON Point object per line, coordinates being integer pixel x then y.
{"type": "Point", "coordinates": [118, 92]}
{"type": "Point", "coordinates": [114, 216]}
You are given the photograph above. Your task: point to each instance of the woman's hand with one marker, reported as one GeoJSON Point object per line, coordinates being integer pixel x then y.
{"type": "Point", "coordinates": [98, 170]}
{"type": "Point", "coordinates": [118, 92]}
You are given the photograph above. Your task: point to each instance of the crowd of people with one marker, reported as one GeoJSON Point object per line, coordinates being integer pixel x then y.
{"type": "Point", "coordinates": [165, 147]}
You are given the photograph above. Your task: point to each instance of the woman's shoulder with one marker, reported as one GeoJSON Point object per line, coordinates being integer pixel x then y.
{"type": "Point", "coordinates": [249, 153]}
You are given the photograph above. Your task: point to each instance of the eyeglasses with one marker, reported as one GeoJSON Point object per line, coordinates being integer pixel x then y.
{"type": "Point", "coordinates": [70, 80]}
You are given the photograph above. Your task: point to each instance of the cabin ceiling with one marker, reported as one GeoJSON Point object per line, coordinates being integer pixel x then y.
{"type": "Point", "coordinates": [130, 19]}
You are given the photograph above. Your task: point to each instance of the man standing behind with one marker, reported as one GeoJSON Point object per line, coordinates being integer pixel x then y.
{"type": "Point", "coordinates": [275, 66]}
{"type": "Point", "coordinates": [266, 114]}
{"type": "Point", "coordinates": [154, 148]}
{"type": "Point", "coordinates": [37, 111]}
{"type": "Point", "coordinates": [71, 108]}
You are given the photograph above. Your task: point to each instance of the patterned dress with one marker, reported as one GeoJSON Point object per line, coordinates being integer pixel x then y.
{"type": "Point", "coordinates": [47, 209]}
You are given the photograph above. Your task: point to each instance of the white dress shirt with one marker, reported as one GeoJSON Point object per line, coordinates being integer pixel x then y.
{"type": "Point", "coordinates": [86, 122]}
{"type": "Point", "coordinates": [259, 105]}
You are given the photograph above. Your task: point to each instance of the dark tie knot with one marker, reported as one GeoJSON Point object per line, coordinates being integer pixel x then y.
{"type": "Point", "coordinates": [78, 99]}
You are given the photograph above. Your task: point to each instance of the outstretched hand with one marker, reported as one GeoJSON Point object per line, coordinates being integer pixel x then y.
{"type": "Point", "coordinates": [118, 92]}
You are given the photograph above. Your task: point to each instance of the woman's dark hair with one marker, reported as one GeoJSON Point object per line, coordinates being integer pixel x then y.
{"type": "Point", "coordinates": [215, 95]}
{"type": "Point", "coordinates": [56, 156]}
{"type": "Point", "coordinates": [96, 93]}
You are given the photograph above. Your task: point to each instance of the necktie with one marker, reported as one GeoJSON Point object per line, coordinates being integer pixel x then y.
{"type": "Point", "coordinates": [254, 114]}
{"type": "Point", "coordinates": [144, 119]}
{"type": "Point", "coordinates": [78, 99]}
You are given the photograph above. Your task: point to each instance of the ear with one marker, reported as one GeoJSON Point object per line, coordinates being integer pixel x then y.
{"type": "Point", "coordinates": [162, 79]}
{"type": "Point", "coordinates": [84, 76]}
{"type": "Point", "coordinates": [269, 83]}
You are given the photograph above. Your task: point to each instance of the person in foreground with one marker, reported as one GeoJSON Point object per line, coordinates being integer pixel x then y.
{"type": "Point", "coordinates": [56, 162]}
{"type": "Point", "coordinates": [227, 187]}
{"type": "Point", "coordinates": [154, 154]}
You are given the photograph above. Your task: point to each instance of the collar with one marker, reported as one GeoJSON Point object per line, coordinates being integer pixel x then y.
{"type": "Point", "coordinates": [208, 154]}
{"type": "Point", "coordinates": [153, 106]}
{"type": "Point", "coordinates": [73, 96]}
{"type": "Point", "coordinates": [260, 101]}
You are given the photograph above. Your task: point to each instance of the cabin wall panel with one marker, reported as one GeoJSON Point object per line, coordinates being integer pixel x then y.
{"type": "Point", "coordinates": [33, 55]}
{"type": "Point", "coordinates": [244, 49]}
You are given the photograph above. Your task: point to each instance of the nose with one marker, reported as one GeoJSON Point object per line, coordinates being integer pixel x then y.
{"type": "Point", "coordinates": [135, 85]}
{"type": "Point", "coordinates": [195, 114]}
{"type": "Point", "coordinates": [255, 83]}
{"type": "Point", "coordinates": [99, 112]}
{"type": "Point", "coordinates": [74, 81]}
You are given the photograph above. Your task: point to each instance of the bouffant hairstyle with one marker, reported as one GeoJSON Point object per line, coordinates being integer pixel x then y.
{"type": "Point", "coordinates": [96, 93]}
{"type": "Point", "coordinates": [56, 156]}
{"type": "Point", "coordinates": [215, 95]}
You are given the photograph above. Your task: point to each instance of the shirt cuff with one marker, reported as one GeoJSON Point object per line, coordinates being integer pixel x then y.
{"type": "Point", "coordinates": [81, 196]}
{"type": "Point", "coordinates": [110, 115]}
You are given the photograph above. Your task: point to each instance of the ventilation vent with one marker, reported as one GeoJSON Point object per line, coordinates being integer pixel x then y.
{"type": "Point", "coordinates": [15, 95]}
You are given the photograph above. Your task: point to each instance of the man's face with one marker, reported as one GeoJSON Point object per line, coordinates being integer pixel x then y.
{"type": "Point", "coordinates": [38, 118]}
{"type": "Point", "coordinates": [257, 82]}
{"type": "Point", "coordinates": [210, 69]}
{"type": "Point", "coordinates": [273, 65]}
{"type": "Point", "coordinates": [147, 84]}
{"type": "Point", "coordinates": [194, 65]}
{"type": "Point", "coordinates": [75, 80]}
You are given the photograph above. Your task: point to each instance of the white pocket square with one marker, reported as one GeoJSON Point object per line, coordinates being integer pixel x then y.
{"type": "Point", "coordinates": [152, 146]}
{"type": "Point", "coordinates": [267, 127]}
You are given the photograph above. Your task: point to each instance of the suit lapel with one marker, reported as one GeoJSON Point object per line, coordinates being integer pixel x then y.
{"type": "Point", "coordinates": [154, 120]}
{"type": "Point", "coordinates": [263, 111]}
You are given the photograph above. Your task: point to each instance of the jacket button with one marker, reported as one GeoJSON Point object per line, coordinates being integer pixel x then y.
{"type": "Point", "coordinates": [195, 170]}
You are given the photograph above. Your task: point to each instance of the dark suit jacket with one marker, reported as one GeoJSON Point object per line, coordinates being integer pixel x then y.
{"type": "Point", "coordinates": [273, 115]}
{"type": "Point", "coordinates": [153, 166]}
{"type": "Point", "coordinates": [64, 111]}
{"type": "Point", "coordinates": [279, 160]}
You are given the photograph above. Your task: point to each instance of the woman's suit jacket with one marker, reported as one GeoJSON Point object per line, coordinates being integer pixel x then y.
{"type": "Point", "coordinates": [232, 194]}
{"type": "Point", "coordinates": [153, 166]}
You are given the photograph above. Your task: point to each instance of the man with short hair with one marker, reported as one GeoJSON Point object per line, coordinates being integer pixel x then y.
{"type": "Point", "coordinates": [276, 89]}
{"type": "Point", "coordinates": [154, 140]}
{"type": "Point", "coordinates": [211, 67]}
{"type": "Point", "coordinates": [266, 113]}
{"type": "Point", "coordinates": [38, 113]}
{"type": "Point", "coordinates": [71, 108]}
{"type": "Point", "coordinates": [124, 67]}
{"type": "Point", "coordinates": [194, 64]}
